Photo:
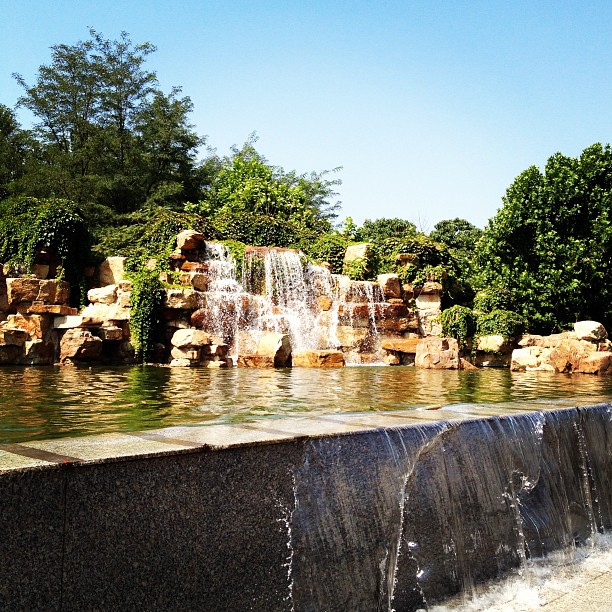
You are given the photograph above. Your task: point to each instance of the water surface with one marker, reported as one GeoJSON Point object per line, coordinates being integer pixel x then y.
{"type": "Point", "coordinates": [49, 402]}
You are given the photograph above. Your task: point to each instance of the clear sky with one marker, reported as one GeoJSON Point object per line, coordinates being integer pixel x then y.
{"type": "Point", "coordinates": [431, 107]}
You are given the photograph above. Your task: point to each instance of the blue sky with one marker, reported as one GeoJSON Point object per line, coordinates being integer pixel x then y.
{"type": "Point", "coordinates": [431, 107]}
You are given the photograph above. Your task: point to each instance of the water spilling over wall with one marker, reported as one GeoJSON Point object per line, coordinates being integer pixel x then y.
{"type": "Point", "coordinates": [386, 518]}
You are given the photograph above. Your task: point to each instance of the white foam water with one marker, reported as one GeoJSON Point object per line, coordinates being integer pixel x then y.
{"type": "Point", "coordinates": [540, 581]}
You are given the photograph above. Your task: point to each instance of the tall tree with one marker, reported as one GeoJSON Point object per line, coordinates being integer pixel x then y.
{"type": "Point", "coordinates": [550, 246]}
{"type": "Point", "coordinates": [16, 151]}
{"type": "Point", "coordinates": [99, 112]}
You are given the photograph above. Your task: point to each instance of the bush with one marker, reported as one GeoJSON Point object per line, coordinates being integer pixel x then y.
{"type": "Point", "coordinates": [330, 248]}
{"type": "Point", "coordinates": [503, 322]}
{"type": "Point", "coordinates": [145, 304]}
{"type": "Point", "coordinates": [29, 225]}
{"type": "Point", "coordinates": [458, 322]}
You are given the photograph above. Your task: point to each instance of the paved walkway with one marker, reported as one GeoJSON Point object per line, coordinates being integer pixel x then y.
{"type": "Point", "coordinates": [592, 596]}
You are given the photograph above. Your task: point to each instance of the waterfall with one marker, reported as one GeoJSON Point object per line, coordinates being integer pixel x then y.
{"type": "Point", "coordinates": [283, 293]}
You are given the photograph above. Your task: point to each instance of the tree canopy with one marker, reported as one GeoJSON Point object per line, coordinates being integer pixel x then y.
{"type": "Point", "coordinates": [108, 136]}
{"type": "Point", "coordinates": [549, 247]}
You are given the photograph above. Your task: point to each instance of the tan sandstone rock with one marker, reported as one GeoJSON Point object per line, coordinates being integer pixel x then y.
{"type": "Point", "coordinates": [319, 359]}
{"type": "Point", "coordinates": [112, 270]}
{"type": "Point", "coordinates": [390, 285]}
{"type": "Point", "coordinates": [438, 354]}
{"type": "Point", "coordinates": [277, 346]}
{"type": "Point", "coordinates": [590, 330]}
{"type": "Point", "coordinates": [190, 338]}
{"type": "Point", "coordinates": [79, 345]}
{"type": "Point", "coordinates": [103, 295]}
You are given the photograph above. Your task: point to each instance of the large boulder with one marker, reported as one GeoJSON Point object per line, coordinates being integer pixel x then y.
{"type": "Point", "coordinates": [79, 345]}
{"type": "Point", "coordinates": [21, 290]}
{"type": "Point", "coordinates": [390, 285]}
{"type": "Point", "coordinates": [112, 270]}
{"type": "Point", "coordinates": [255, 361]}
{"type": "Point", "coordinates": [103, 295]}
{"type": "Point", "coordinates": [438, 354]}
{"type": "Point", "coordinates": [318, 359]}
{"type": "Point", "coordinates": [190, 338]}
{"type": "Point", "coordinates": [98, 313]}
{"type": "Point", "coordinates": [185, 299]}
{"type": "Point", "coordinates": [277, 346]}
{"type": "Point", "coordinates": [590, 330]}
{"type": "Point", "coordinates": [189, 240]}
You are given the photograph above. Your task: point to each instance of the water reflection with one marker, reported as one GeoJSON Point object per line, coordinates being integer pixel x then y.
{"type": "Point", "coordinates": [45, 402]}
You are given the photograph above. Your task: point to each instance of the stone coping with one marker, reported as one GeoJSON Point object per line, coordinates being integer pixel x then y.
{"type": "Point", "coordinates": [179, 439]}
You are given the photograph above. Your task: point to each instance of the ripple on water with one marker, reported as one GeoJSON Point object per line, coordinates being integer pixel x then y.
{"type": "Point", "coordinates": [46, 402]}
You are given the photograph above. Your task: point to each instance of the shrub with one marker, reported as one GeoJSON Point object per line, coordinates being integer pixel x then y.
{"type": "Point", "coordinates": [503, 322]}
{"type": "Point", "coordinates": [458, 322]}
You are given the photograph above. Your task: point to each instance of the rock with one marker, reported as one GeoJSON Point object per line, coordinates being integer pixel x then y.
{"type": "Point", "coordinates": [38, 352]}
{"type": "Point", "coordinates": [111, 332]}
{"type": "Point", "coordinates": [391, 359]}
{"type": "Point", "coordinates": [188, 240]}
{"type": "Point", "coordinates": [464, 364]}
{"type": "Point", "coordinates": [193, 354]}
{"type": "Point", "coordinates": [590, 330]}
{"type": "Point", "coordinates": [123, 297]}
{"type": "Point", "coordinates": [493, 343]}
{"type": "Point", "coordinates": [10, 354]}
{"type": "Point", "coordinates": [401, 345]}
{"type": "Point", "coordinates": [351, 337]}
{"type": "Point", "coordinates": [255, 361]}
{"type": "Point", "coordinates": [431, 288]}
{"type": "Point", "coordinates": [37, 290]}
{"type": "Point", "coordinates": [187, 299]}
{"type": "Point", "coordinates": [36, 326]}
{"type": "Point", "coordinates": [390, 285]}
{"type": "Point", "coordinates": [221, 363]}
{"type": "Point", "coordinates": [14, 337]}
{"type": "Point", "coordinates": [530, 358]}
{"type": "Point", "coordinates": [596, 363]}
{"type": "Point", "coordinates": [429, 323]}
{"type": "Point", "coordinates": [98, 313]}
{"type": "Point", "coordinates": [567, 355]}
{"type": "Point", "coordinates": [429, 301]}
{"type": "Point", "coordinates": [103, 295]}
{"type": "Point", "coordinates": [277, 346]}
{"type": "Point", "coordinates": [183, 363]}
{"type": "Point", "coordinates": [214, 350]}
{"type": "Point", "coordinates": [53, 309]}
{"type": "Point", "coordinates": [190, 338]}
{"type": "Point", "coordinates": [79, 345]}
{"type": "Point", "coordinates": [325, 303]}
{"type": "Point", "coordinates": [437, 354]}
{"type": "Point", "coordinates": [40, 270]}
{"type": "Point", "coordinates": [318, 359]}
{"type": "Point", "coordinates": [545, 341]}
{"type": "Point", "coordinates": [112, 270]}
{"type": "Point", "coordinates": [358, 256]}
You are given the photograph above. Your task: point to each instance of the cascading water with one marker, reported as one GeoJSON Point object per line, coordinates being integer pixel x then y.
{"type": "Point", "coordinates": [282, 293]}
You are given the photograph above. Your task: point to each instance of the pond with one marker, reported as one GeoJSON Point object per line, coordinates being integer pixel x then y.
{"type": "Point", "coordinates": [50, 402]}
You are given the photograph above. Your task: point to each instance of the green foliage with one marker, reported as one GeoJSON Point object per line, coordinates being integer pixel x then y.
{"type": "Point", "coordinates": [330, 248]}
{"type": "Point", "coordinates": [145, 309]}
{"type": "Point", "coordinates": [29, 225]}
{"type": "Point", "coordinates": [380, 230]}
{"type": "Point", "coordinates": [490, 299]}
{"type": "Point", "coordinates": [550, 245]}
{"type": "Point", "coordinates": [457, 234]}
{"type": "Point", "coordinates": [107, 136]}
{"type": "Point", "coordinates": [236, 248]}
{"type": "Point", "coordinates": [500, 322]}
{"type": "Point", "coordinates": [260, 204]}
{"type": "Point", "coordinates": [357, 269]}
{"type": "Point", "coordinates": [141, 236]}
{"type": "Point", "coordinates": [458, 322]}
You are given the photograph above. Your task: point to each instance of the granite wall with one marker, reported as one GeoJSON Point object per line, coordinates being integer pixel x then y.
{"type": "Point", "coordinates": [388, 518]}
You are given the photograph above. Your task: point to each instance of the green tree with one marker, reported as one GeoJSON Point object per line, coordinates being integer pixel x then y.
{"type": "Point", "coordinates": [457, 234]}
{"type": "Point", "coordinates": [16, 152]}
{"type": "Point", "coordinates": [257, 203]}
{"type": "Point", "coordinates": [550, 246]}
{"type": "Point", "coordinates": [110, 138]}
{"type": "Point", "coordinates": [380, 229]}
